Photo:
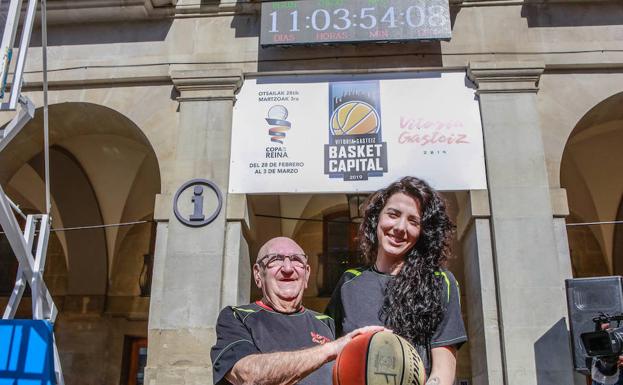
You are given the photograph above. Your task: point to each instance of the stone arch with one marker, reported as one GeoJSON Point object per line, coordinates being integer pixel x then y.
{"type": "Point", "coordinates": [103, 171]}
{"type": "Point", "coordinates": [589, 171]}
{"type": "Point", "coordinates": [560, 112]}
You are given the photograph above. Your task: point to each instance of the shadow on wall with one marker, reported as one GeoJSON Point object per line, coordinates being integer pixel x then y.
{"type": "Point", "coordinates": [587, 258]}
{"type": "Point", "coordinates": [350, 57]}
{"type": "Point", "coordinates": [86, 250]}
{"type": "Point", "coordinates": [572, 15]}
{"type": "Point", "coordinates": [104, 33]}
{"type": "Point", "coordinates": [617, 250]}
{"type": "Point", "coordinates": [552, 363]}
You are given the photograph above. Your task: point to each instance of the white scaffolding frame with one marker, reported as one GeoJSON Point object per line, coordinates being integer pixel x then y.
{"type": "Point", "coordinates": [30, 246]}
{"type": "Point", "coordinates": [8, 40]}
{"type": "Point", "coordinates": [31, 268]}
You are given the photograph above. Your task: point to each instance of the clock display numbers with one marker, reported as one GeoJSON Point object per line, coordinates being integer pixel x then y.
{"type": "Point", "coordinates": [333, 21]}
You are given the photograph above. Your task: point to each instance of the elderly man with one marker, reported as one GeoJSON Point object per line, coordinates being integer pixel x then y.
{"type": "Point", "coordinates": [276, 340]}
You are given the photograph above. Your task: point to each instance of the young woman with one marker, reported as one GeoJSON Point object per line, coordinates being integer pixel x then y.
{"type": "Point", "coordinates": [404, 239]}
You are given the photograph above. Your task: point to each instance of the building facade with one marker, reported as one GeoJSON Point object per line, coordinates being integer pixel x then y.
{"type": "Point", "coordinates": [141, 101]}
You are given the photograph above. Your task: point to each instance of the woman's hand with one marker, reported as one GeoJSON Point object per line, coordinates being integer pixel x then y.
{"type": "Point", "coordinates": [339, 344]}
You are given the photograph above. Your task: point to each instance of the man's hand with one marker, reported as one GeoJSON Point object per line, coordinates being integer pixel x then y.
{"type": "Point", "coordinates": [620, 362]}
{"type": "Point", "coordinates": [285, 368]}
{"type": "Point", "coordinates": [335, 347]}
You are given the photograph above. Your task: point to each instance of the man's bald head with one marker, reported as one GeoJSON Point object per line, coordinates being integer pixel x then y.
{"type": "Point", "coordinates": [283, 280]}
{"type": "Point", "coordinates": [279, 245]}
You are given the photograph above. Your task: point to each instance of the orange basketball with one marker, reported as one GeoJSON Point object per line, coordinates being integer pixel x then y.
{"type": "Point", "coordinates": [354, 118]}
{"type": "Point", "coordinates": [379, 358]}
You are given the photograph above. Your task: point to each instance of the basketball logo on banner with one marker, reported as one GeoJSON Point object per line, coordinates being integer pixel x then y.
{"type": "Point", "coordinates": [355, 118]}
{"type": "Point", "coordinates": [356, 150]}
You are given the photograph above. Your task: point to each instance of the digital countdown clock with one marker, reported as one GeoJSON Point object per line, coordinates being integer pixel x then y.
{"type": "Point", "coordinates": [346, 21]}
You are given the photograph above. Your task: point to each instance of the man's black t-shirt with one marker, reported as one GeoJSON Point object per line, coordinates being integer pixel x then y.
{"type": "Point", "coordinates": [359, 295]}
{"type": "Point", "coordinates": [255, 328]}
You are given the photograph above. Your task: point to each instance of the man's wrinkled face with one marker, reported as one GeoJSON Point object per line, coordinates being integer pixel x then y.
{"type": "Point", "coordinates": [281, 272]}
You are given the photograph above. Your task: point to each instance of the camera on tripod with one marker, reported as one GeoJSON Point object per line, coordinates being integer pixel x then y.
{"type": "Point", "coordinates": [605, 343]}
{"type": "Point", "coordinates": [592, 303]}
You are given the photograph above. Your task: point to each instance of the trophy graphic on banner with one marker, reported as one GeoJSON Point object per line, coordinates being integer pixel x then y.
{"type": "Point", "coordinates": [277, 116]}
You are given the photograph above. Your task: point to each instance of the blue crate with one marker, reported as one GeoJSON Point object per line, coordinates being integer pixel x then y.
{"type": "Point", "coordinates": [26, 353]}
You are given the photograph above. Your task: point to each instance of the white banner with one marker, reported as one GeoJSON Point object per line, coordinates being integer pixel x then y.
{"type": "Point", "coordinates": [355, 133]}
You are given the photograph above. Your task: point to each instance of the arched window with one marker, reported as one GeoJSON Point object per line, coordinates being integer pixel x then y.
{"type": "Point", "coordinates": [339, 250]}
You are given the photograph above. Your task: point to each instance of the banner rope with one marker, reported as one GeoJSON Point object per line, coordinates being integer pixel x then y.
{"type": "Point", "coordinates": [89, 227]}
{"type": "Point", "coordinates": [595, 223]}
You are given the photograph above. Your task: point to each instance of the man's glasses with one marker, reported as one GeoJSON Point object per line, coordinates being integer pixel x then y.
{"type": "Point", "coordinates": [270, 261]}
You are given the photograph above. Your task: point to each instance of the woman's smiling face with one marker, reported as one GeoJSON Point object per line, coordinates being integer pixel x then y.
{"type": "Point", "coordinates": [399, 224]}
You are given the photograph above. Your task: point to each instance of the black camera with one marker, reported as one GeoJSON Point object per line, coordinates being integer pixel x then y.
{"type": "Point", "coordinates": [589, 300]}
{"type": "Point", "coordinates": [605, 344]}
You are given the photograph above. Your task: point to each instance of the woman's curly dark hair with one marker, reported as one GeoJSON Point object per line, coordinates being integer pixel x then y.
{"type": "Point", "coordinates": [412, 305]}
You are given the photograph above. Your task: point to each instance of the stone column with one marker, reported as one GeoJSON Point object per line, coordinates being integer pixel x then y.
{"type": "Point", "coordinates": [531, 303]}
{"type": "Point", "coordinates": [560, 210]}
{"type": "Point", "coordinates": [189, 261]}
{"type": "Point", "coordinates": [474, 233]}
{"type": "Point", "coordinates": [560, 207]}
{"type": "Point", "coordinates": [237, 267]}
